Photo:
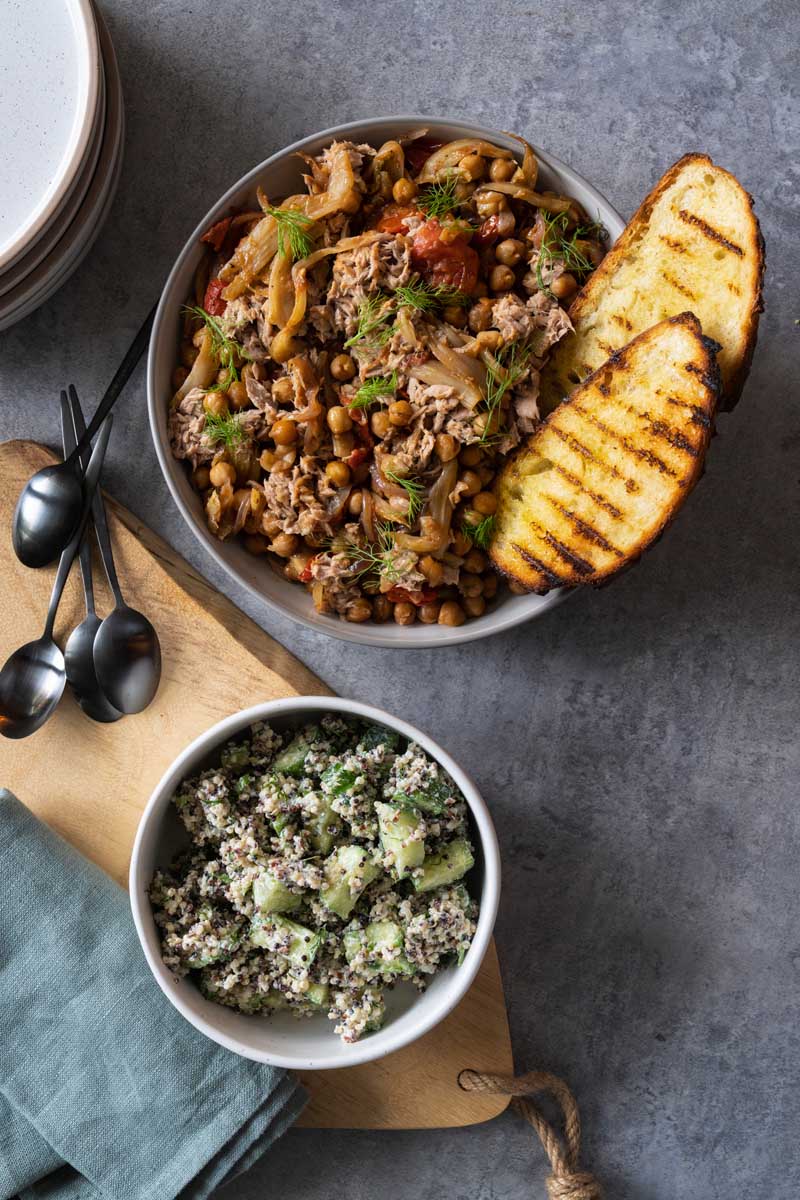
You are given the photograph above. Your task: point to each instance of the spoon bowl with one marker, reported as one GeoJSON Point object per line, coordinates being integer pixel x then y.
{"type": "Point", "coordinates": [81, 675]}
{"type": "Point", "coordinates": [47, 514]}
{"type": "Point", "coordinates": [127, 659]}
{"type": "Point", "coordinates": [31, 685]}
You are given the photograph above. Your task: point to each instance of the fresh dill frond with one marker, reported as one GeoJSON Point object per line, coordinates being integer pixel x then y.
{"type": "Point", "coordinates": [439, 199]}
{"type": "Point", "coordinates": [426, 296]}
{"type": "Point", "coordinates": [373, 322]}
{"type": "Point", "coordinates": [226, 430]}
{"type": "Point", "coordinates": [413, 489]}
{"type": "Point", "coordinates": [369, 392]}
{"type": "Point", "coordinates": [481, 534]}
{"type": "Point", "coordinates": [559, 244]}
{"type": "Point", "coordinates": [292, 229]}
{"type": "Point", "coordinates": [375, 560]}
{"type": "Point", "coordinates": [510, 365]}
{"type": "Point", "coordinates": [226, 351]}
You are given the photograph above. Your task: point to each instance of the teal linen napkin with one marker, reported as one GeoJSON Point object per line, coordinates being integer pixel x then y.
{"type": "Point", "coordinates": [105, 1090]}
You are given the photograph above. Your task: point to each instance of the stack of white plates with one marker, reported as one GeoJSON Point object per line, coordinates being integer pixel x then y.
{"type": "Point", "coordinates": [61, 134]}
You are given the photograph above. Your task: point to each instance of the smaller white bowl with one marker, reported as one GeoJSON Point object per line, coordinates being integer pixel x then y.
{"type": "Point", "coordinates": [281, 1039]}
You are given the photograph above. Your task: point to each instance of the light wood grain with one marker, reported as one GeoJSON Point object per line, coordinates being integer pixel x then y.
{"type": "Point", "coordinates": [90, 783]}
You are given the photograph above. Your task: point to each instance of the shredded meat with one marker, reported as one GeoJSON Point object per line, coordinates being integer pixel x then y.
{"type": "Point", "coordinates": [186, 424]}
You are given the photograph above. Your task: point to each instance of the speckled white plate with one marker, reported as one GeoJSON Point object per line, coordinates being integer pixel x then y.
{"type": "Point", "coordinates": [280, 176]}
{"type": "Point", "coordinates": [50, 69]}
{"type": "Point", "coordinates": [78, 234]}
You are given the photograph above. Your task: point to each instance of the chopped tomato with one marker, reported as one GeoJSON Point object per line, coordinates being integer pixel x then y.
{"type": "Point", "coordinates": [488, 232]}
{"type": "Point", "coordinates": [357, 457]}
{"type": "Point", "coordinates": [215, 236]}
{"type": "Point", "coordinates": [305, 575]}
{"type": "Point", "coordinates": [213, 302]}
{"type": "Point", "coordinates": [399, 595]}
{"type": "Point", "coordinates": [417, 153]}
{"type": "Point", "coordinates": [392, 217]}
{"type": "Point", "coordinates": [452, 264]}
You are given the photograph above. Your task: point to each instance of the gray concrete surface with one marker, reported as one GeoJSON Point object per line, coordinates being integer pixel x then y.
{"type": "Point", "coordinates": [639, 745]}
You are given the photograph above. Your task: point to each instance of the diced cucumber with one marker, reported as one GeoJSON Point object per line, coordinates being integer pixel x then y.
{"type": "Point", "coordinates": [325, 828]}
{"type": "Point", "coordinates": [378, 735]}
{"type": "Point", "coordinates": [272, 896]}
{"type": "Point", "coordinates": [317, 995]}
{"type": "Point", "coordinates": [292, 758]}
{"type": "Point", "coordinates": [234, 757]}
{"type": "Point", "coordinates": [347, 872]}
{"type": "Point", "coordinates": [338, 779]}
{"type": "Point", "coordinates": [374, 941]}
{"type": "Point", "coordinates": [447, 866]}
{"type": "Point", "coordinates": [396, 824]}
{"type": "Point", "coordinates": [244, 784]}
{"type": "Point", "coordinates": [281, 820]}
{"type": "Point", "coordinates": [431, 799]}
{"type": "Point", "coordinates": [268, 932]}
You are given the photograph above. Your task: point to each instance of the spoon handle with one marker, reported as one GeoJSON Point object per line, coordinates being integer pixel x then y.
{"type": "Point", "coordinates": [68, 555]}
{"type": "Point", "coordinates": [98, 505]}
{"type": "Point", "coordinates": [69, 441]}
{"type": "Point", "coordinates": [123, 374]}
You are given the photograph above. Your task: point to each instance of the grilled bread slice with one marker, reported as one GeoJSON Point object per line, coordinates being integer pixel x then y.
{"type": "Point", "coordinates": [603, 475]}
{"type": "Point", "coordinates": [694, 244]}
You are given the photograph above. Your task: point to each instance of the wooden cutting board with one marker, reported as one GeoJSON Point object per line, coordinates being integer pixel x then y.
{"type": "Point", "coordinates": [90, 782]}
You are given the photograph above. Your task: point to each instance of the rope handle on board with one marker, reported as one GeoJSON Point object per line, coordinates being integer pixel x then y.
{"type": "Point", "coordinates": [567, 1181]}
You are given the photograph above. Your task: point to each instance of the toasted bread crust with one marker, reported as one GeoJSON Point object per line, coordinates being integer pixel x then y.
{"type": "Point", "coordinates": [639, 457]}
{"type": "Point", "coordinates": [586, 302]}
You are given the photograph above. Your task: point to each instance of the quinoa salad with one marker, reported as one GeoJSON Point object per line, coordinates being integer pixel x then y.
{"type": "Point", "coordinates": [325, 866]}
{"type": "Point", "coordinates": [357, 361]}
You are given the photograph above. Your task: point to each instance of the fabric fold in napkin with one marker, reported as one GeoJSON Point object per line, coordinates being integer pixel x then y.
{"type": "Point", "coordinates": [105, 1089]}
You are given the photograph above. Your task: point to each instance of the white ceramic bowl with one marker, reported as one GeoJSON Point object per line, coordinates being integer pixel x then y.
{"type": "Point", "coordinates": [279, 176]}
{"type": "Point", "coordinates": [281, 1039]}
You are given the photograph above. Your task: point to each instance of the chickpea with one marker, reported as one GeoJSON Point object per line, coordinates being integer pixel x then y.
{"type": "Point", "coordinates": [379, 423]}
{"type": "Point", "coordinates": [473, 167]}
{"type": "Point", "coordinates": [284, 458]}
{"type": "Point", "coordinates": [283, 347]}
{"type": "Point", "coordinates": [429, 613]}
{"type": "Point", "coordinates": [285, 544]}
{"type": "Point", "coordinates": [179, 377]}
{"type": "Point", "coordinates": [358, 611]}
{"type": "Point", "coordinates": [381, 608]}
{"type": "Point", "coordinates": [270, 525]}
{"type": "Point", "coordinates": [461, 545]}
{"type": "Point", "coordinates": [470, 456]}
{"type": "Point", "coordinates": [501, 169]}
{"type": "Point", "coordinates": [446, 447]}
{"type": "Point", "coordinates": [432, 569]}
{"type": "Point", "coordinates": [455, 314]}
{"type": "Point", "coordinates": [475, 562]}
{"type": "Point", "coordinates": [355, 503]}
{"type": "Point", "coordinates": [343, 444]}
{"type": "Point", "coordinates": [474, 606]}
{"type": "Point", "coordinates": [489, 204]}
{"type": "Point", "coordinates": [339, 419]}
{"type": "Point", "coordinates": [451, 613]}
{"type": "Point", "coordinates": [564, 287]}
{"type": "Point", "coordinates": [405, 613]}
{"type": "Point", "coordinates": [400, 413]}
{"type": "Point", "coordinates": [489, 339]}
{"type": "Point", "coordinates": [470, 585]}
{"type": "Point", "coordinates": [237, 395]}
{"type": "Point", "coordinates": [404, 191]}
{"type": "Point", "coordinates": [267, 460]}
{"type": "Point", "coordinates": [485, 471]}
{"type": "Point", "coordinates": [201, 478]}
{"type": "Point", "coordinates": [343, 368]}
{"type": "Point", "coordinates": [501, 278]}
{"type": "Point", "coordinates": [487, 424]}
{"type": "Point", "coordinates": [471, 517]}
{"type": "Point", "coordinates": [283, 390]}
{"type": "Point", "coordinates": [472, 483]}
{"type": "Point", "coordinates": [216, 403]}
{"type": "Point", "coordinates": [489, 586]}
{"type": "Point", "coordinates": [297, 563]}
{"type": "Point", "coordinates": [222, 473]}
{"type": "Point", "coordinates": [506, 223]}
{"type": "Point", "coordinates": [509, 251]}
{"type": "Point", "coordinates": [338, 473]}
{"type": "Point", "coordinates": [480, 315]}
{"type": "Point", "coordinates": [284, 432]}
{"type": "Point", "coordinates": [254, 543]}
{"type": "Point", "coordinates": [188, 354]}
{"type": "Point", "coordinates": [222, 377]}
{"type": "Point", "coordinates": [240, 496]}
{"type": "Point", "coordinates": [485, 503]}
